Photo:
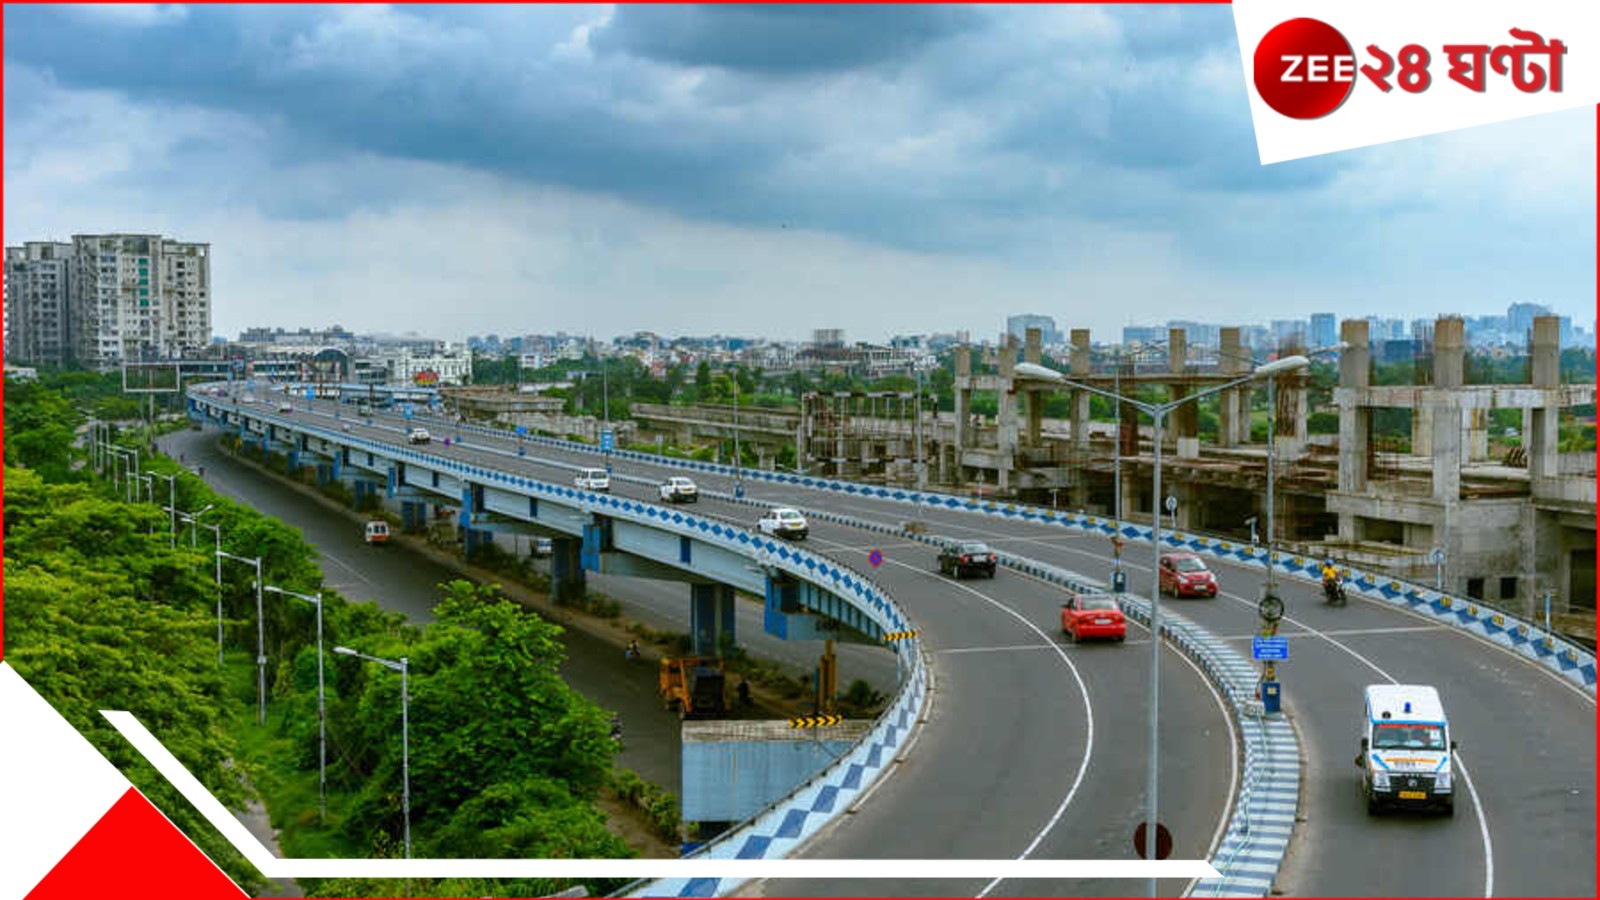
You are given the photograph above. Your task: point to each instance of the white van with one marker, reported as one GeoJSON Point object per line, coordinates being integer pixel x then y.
{"type": "Point", "coordinates": [593, 480]}
{"type": "Point", "coordinates": [1406, 749]}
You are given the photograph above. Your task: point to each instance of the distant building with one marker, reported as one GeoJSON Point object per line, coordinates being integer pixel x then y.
{"type": "Point", "coordinates": [1017, 327]}
{"type": "Point", "coordinates": [1324, 329]}
{"type": "Point", "coordinates": [1143, 334]}
{"type": "Point", "coordinates": [138, 296]}
{"type": "Point", "coordinates": [38, 278]}
{"type": "Point", "coordinates": [1520, 316]}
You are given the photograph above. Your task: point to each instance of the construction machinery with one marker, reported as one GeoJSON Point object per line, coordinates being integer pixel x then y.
{"type": "Point", "coordinates": [694, 684]}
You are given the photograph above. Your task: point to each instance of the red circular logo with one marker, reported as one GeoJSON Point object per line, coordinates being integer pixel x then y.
{"type": "Point", "coordinates": [1304, 68]}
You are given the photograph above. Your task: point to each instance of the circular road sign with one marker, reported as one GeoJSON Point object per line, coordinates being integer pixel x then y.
{"type": "Point", "coordinates": [1172, 503]}
{"type": "Point", "coordinates": [1271, 608]}
{"type": "Point", "coordinates": [1163, 841]}
{"type": "Point", "coordinates": [875, 557]}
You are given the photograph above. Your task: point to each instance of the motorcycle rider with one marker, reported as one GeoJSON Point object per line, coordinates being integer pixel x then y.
{"type": "Point", "coordinates": [1330, 582]}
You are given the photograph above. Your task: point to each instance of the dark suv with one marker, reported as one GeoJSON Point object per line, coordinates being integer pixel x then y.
{"type": "Point", "coordinates": [965, 557]}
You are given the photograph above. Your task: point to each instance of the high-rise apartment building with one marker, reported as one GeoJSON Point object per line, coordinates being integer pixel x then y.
{"type": "Point", "coordinates": [138, 296]}
{"type": "Point", "coordinates": [1324, 329]}
{"type": "Point", "coordinates": [1017, 327]}
{"type": "Point", "coordinates": [38, 292]}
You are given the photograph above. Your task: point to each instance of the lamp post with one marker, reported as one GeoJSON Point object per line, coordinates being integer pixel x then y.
{"type": "Point", "coordinates": [403, 667]}
{"type": "Point", "coordinates": [738, 461]}
{"type": "Point", "coordinates": [322, 714]}
{"type": "Point", "coordinates": [1157, 413]}
{"type": "Point", "coordinates": [216, 531]}
{"type": "Point", "coordinates": [261, 637]}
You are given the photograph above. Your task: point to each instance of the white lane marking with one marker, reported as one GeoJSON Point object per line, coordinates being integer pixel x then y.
{"type": "Point", "coordinates": [1233, 738]}
{"type": "Point", "coordinates": [1477, 802]}
{"type": "Point", "coordinates": [1341, 632]}
{"type": "Point", "coordinates": [346, 566]}
{"type": "Point", "coordinates": [1083, 691]}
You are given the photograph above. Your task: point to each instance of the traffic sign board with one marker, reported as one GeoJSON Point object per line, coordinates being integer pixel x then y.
{"type": "Point", "coordinates": [605, 440]}
{"type": "Point", "coordinates": [1273, 648]}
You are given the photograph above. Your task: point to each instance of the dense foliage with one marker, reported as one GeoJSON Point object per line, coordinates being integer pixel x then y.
{"type": "Point", "coordinates": [106, 608]}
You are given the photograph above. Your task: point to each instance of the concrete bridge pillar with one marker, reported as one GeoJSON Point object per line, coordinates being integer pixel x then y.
{"type": "Point", "coordinates": [1079, 400]}
{"type": "Point", "coordinates": [711, 618]}
{"type": "Point", "coordinates": [1006, 437]}
{"type": "Point", "coordinates": [568, 581]}
{"type": "Point", "coordinates": [323, 474]}
{"type": "Point", "coordinates": [1355, 421]}
{"type": "Point", "coordinates": [1542, 434]}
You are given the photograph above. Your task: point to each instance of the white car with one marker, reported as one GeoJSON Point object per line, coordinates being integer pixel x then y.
{"type": "Point", "coordinates": [593, 480]}
{"type": "Point", "coordinates": [419, 436]}
{"type": "Point", "coordinates": [784, 523]}
{"type": "Point", "coordinates": [286, 407]}
{"type": "Point", "coordinates": [679, 489]}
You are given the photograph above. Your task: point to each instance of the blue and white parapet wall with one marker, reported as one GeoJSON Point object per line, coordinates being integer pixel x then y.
{"type": "Point", "coordinates": [1569, 660]}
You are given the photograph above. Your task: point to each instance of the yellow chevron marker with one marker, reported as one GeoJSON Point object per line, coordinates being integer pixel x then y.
{"type": "Point", "coordinates": [815, 721]}
{"type": "Point", "coordinates": [899, 635]}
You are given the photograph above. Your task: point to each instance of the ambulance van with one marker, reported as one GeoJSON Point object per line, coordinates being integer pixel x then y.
{"type": "Point", "coordinates": [1406, 750]}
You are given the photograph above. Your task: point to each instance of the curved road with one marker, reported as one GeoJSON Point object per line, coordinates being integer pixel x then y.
{"type": "Point", "coordinates": [1031, 746]}
{"type": "Point", "coordinates": [1525, 825]}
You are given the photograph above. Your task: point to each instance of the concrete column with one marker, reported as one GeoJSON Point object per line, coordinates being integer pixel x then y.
{"type": "Point", "coordinates": [1541, 435]}
{"type": "Point", "coordinates": [1035, 417]}
{"type": "Point", "coordinates": [1546, 351]}
{"type": "Point", "coordinates": [1477, 434]}
{"type": "Point", "coordinates": [1354, 421]}
{"type": "Point", "coordinates": [1449, 352]}
{"type": "Point", "coordinates": [1006, 437]}
{"type": "Point", "coordinates": [322, 474]}
{"type": "Point", "coordinates": [568, 581]}
{"type": "Point", "coordinates": [1421, 431]}
{"type": "Point", "coordinates": [710, 617]}
{"type": "Point", "coordinates": [1078, 403]}
{"type": "Point", "coordinates": [1447, 455]}
{"type": "Point", "coordinates": [1233, 414]}
{"type": "Point", "coordinates": [1080, 353]}
{"type": "Point", "coordinates": [1031, 348]}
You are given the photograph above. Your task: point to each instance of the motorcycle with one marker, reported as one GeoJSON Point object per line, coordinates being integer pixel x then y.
{"type": "Point", "coordinates": [616, 730]}
{"type": "Point", "coordinates": [1333, 592]}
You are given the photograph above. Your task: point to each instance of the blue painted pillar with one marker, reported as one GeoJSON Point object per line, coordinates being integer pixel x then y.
{"type": "Point", "coordinates": [469, 540]}
{"type": "Point", "coordinates": [322, 474]}
{"type": "Point", "coordinates": [391, 481]}
{"type": "Point", "coordinates": [336, 470]}
{"type": "Point", "coordinates": [294, 460]}
{"type": "Point", "coordinates": [567, 578]}
{"type": "Point", "coordinates": [783, 597]}
{"type": "Point", "coordinates": [408, 515]}
{"type": "Point", "coordinates": [710, 617]}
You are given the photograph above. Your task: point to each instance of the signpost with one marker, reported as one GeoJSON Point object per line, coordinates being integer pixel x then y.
{"type": "Point", "coordinates": [1275, 649]}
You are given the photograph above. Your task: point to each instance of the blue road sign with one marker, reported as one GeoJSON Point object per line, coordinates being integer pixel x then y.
{"type": "Point", "coordinates": [310, 394]}
{"type": "Point", "coordinates": [522, 430]}
{"type": "Point", "coordinates": [605, 440]}
{"type": "Point", "coordinates": [1273, 648]}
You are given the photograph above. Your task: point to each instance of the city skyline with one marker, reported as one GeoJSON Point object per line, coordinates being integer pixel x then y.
{"type": "Point", "coordinates": [683, 183]}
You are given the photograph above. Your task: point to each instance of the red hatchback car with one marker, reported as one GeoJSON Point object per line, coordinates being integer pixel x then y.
{"type": "Point", "coordinates": [1092, 616]}
{"type": "Point", "coordinates": [1186, 575]}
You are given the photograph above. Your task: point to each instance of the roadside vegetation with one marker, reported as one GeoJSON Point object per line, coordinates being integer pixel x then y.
{"type": "Point", "coordinates": [107, 609]}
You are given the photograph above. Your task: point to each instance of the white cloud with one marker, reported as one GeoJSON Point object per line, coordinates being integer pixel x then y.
{"type": "Point", "coordinates": [139, 15]}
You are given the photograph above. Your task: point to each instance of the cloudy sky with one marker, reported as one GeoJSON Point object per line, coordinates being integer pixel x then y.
{"type": "Point", "coordinates": [756, 170]}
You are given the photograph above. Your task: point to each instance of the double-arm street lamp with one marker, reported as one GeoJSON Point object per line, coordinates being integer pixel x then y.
{"type": "Point", "coordinates": [322, 714]}
{"type": "Point", "coordinates": [172, 506]}
{"type": "Point", "coordinates": [261, 636]}
{"type": "Point", "coordinates": [216, 531]}
{"type": "Point", "coordinates": [403, 666]}
{"type": "Point", "coordinates": [1157, 412]}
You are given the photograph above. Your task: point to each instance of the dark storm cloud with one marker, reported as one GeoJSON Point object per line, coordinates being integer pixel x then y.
{"type": "Point", "coordinates": [778, 38]}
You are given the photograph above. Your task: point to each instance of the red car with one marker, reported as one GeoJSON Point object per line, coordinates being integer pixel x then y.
{"type": "Point", "coordinates": [1092, 616]}
{"type": "Point", "coordinates": [1186, 575]}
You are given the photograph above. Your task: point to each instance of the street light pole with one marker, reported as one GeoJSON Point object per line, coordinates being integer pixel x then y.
{"type": "Point", "coordinates": [1157, 412]}
{"type": "Point", "coordinates": [322, 713]}
{"type": "Point", "coordinates": [922, 467]}
{"type": "Point", "coordinates": [738, 462]}
{"type": "Point", "coordinates": [261, 638]}
{"type": "Point", "coordinates": [403, 666]}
